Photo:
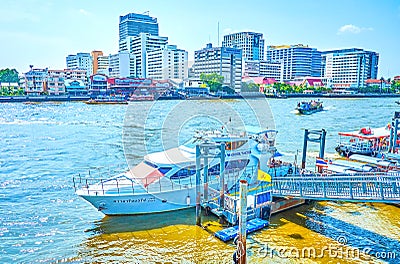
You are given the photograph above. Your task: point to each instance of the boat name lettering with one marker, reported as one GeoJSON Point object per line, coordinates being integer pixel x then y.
{"type": "Point", "coordinates": [140, 200]}
{"type": "Point", "coordinates": [238, 153]}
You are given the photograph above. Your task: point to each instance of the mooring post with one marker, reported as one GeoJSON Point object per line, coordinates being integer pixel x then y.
{"type": "Point", "coordinates": [303, 159]}
{"type": "Point", "coordinates": [396, 126]}
{"type": "Point", "coordinates": [205, 176]}
{"type": "Point", "coordinates": [391, 145]}
{"type": "Point", "coordinates": [198, 194]}
{"type": "Point", "coordinates": [241, 243]}
{"type": "Point", "coordinates": [222, 177]}
{"type": "Point", "coordinates": [322, 144]}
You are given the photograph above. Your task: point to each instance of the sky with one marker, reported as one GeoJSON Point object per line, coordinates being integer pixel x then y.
{"type": "Point", "coordinates": [43, 32]}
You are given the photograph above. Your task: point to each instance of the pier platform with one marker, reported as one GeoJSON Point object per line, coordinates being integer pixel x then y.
{"type": "Point", "coordinates": [251, 226]}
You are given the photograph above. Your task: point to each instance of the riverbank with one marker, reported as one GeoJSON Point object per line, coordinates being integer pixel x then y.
{"type": "Point", "coordinates": [19, 99]}
{"type": "Point", "coordinates": [54, 98]}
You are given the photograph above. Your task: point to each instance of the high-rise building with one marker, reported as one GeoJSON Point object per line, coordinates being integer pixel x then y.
{"type": "Point", "coordinates": [266, 69]}
{"type": "Point", "coordinates": [139, 46]}
{"type": "Point", "coordinates": [122, 65]}
{"type": "Point", "coordinates": [80, 61]}
{"type": "Point", "coordinates": [349, 67]}
{"type": "Point", "coordinates": [133, 24]}
{"type": "Point", "coordinates": [95, 57]}
{"type": "Point", "coordinates": [224, 61]}
{"type": "Point", "coordinates": [251, 43]}
{"type": "Point", "coordinates": [298, 60]}
{"type": "Point", "coordinates": [169, 62]}
{"type": "Point", "coordinates": [102, 64]}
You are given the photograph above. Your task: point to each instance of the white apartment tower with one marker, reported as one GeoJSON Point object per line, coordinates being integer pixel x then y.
{"type": "Point", "coordinates": [80, 61]}
{"type": "Point", "coordinates": [122, 65]}
{"type": "Point", "coordinates": [298, 60]}
{"type": "Point", "coordinates": [139, 46]}
{"type": "Point", "coordinates": [349, 68]}
{"type": "Point", "coordinates": [251, 44]}
{"type": "Point", "coordinates": [224, 61]}
{"type": "Point", "coordinates": [168, 62]}
{"type": "Point", "coordinates": [102, 64]}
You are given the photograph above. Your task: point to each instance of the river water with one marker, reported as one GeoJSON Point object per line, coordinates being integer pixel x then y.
{"type": "Point", "coordinates": [44, 145]}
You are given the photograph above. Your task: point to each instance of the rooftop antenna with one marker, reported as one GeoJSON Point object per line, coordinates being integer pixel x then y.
{"type": "Point", "coordinates": [218, 35]}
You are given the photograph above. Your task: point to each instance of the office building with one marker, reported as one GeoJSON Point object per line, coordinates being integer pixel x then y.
{"type": "Point", "coordinates": [169, 62]}
{"type": "Point", "coordinates": [298, 60]}
{"type": "Point", "coordinates": [121, 65]}
{"type": "Point", "coordinates": [80, 61]}
{"type": "Point", "coordinates": [251, 44]}
{"type": "Point", "coordinates": [133, 24]}
{"type": "Point", "coordinates": [349, 68]}
{"type": "Point", "coordinates": [95, 59]}
{"type": "Point", "coordinates": [139, 46]}
{"type": "Point", "coordinates": [224, 61]}
{"type": "Point", "coordinates": [266, 69]}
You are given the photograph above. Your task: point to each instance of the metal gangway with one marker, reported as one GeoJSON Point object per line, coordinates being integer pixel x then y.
{"type": "Point", "coordinates": [362, 187]}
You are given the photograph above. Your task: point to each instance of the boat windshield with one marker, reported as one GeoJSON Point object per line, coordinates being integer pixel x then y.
{"type": "Point", "coordinates": [192, 142]}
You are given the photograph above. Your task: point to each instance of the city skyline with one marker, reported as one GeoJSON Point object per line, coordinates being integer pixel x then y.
{"type": "Point", "coordinates": [44, 33]}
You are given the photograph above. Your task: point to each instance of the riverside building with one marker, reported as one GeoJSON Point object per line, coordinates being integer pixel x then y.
{"type": "Point", "coordinates": [35, 81]}
{"type": "Point", "coordinates": [169, 62]}
{"type": "Point", "coordinates": [349, 68]}
{"type": "Point", "coordinates": [224, 61]}
{"type": "Point", "coordinates": [139, 46]}
{"type": "Point", "coordinates": [251, 44]}
{"type": "Point", "coordinates": [122, 65]}
{"type": "Point", "coordinates": [80, 61]}
{"type": "Point", "coordinates": [297, 60]}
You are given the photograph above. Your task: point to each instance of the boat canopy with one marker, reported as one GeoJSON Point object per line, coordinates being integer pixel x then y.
{"type": "Point", "coordinates": [340, 169]}
{"type": "Point", "coordinates": [171, 156]}
{"type": "Point", "coordinates": [372, 160]}
{"type": "Point", "coordinates": [144, 173]}
{"type": "Point", "coordinates": [363, 133]}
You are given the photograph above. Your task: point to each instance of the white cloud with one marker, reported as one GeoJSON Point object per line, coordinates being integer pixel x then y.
{"type": "Point", "coordinates": [84, 12]}
{"type": "Point", "coordinates": [349, 28]}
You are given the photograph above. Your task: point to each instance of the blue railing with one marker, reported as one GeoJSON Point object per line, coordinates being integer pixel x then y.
{"type": "Point", "coordinates": [375, 187]}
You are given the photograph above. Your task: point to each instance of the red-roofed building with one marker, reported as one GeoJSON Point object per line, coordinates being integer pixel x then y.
{"type": "Point", "coordinates": [384, 84]}
{"type": "Point", "coordinates": [396, 78]}
{"type": "Point", "coordinates": [312, 82]}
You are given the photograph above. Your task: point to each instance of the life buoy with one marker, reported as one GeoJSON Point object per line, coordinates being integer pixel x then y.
{"type": "Point", "coordinates": [366, 131]}
{"type": "Point", "coordinates": [347, 152]}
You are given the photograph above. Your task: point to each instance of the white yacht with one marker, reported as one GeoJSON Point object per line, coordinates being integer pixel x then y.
{"type": "Point", "coordinates": [166, 181]}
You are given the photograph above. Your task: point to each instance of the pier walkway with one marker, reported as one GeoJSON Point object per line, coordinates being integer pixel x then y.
{"type": "Point", "coordinates": [363, 187]}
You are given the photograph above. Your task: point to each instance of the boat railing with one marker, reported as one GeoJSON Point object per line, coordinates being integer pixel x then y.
{"type": "Point", "coordinates": [123, 184]}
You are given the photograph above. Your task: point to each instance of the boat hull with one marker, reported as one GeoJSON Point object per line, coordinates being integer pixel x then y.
{"type": "Point", "coordinates": [143, 203]}
{"type": "Point", "coordinates": [308, 112]}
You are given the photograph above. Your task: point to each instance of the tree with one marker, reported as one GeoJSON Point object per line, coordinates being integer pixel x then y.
{"type": "Point", "coordinates": [7, 75]}
{"type": "Point", "coordinates": [213, 80]}
{"type": "Point", "coordinates": [249, 87]}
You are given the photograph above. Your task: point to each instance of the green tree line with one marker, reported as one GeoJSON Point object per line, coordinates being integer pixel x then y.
{"type": "Point", "coordinates": [10, 76]}
{"type": "Point", "coordinates": [7, 75]}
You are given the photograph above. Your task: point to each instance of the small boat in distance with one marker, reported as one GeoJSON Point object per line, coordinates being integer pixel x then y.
{"type": "Point", "coordinates": [366, 141]}
{"type": "Point", "coordinates": [108, 99]}
{"type": "Point", "coordinates": [141, 97]}
{"type": "Point", "coordinates": [307, 108]}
